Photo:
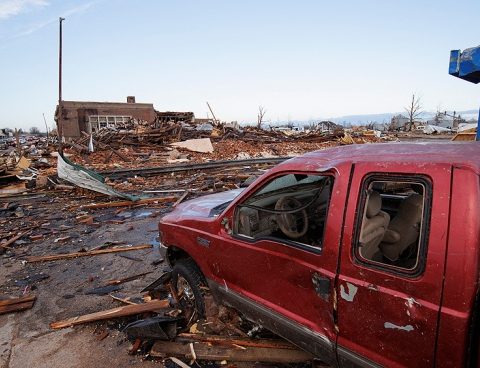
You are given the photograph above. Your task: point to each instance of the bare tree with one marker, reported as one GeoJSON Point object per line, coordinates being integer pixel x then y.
{"type": "Point", "coordinates": [261, 114]}
{"type": "Point", "coordinates": [34, 130]}
{"type": "Point", "coordinates": [414, 109]}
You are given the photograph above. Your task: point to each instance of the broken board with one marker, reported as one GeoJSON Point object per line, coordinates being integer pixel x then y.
{"type": "Point", "coordinates": [128, 310]}
{"type": "Point", "coordinates": [17, 304]}
{"type": "Point", "coordinates": [205, 351]}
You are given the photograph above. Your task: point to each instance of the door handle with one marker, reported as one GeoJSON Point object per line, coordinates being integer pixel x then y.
{"type": "Point", "coordinates": [321, 285]}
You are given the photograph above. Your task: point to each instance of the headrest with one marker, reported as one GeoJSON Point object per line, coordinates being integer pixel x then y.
{"type": "Point", "coordinates": [412, 205]}
{"type": "Point", "coordinates": [374, 204]}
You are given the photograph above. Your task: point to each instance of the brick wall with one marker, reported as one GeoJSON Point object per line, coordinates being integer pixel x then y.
{"type": "Point", "coordinates": [76, 114]}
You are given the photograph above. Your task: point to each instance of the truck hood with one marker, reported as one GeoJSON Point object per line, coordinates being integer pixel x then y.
{"type": "Point", "coordinates": [206, 206]}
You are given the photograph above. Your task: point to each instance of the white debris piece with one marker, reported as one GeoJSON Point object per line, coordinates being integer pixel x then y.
{"type": "Point", "coordinates": [434, 129]}
{"type": "Point", "coordinates": [202, 145]}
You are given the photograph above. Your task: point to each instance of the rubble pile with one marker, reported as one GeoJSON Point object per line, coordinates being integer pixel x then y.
{"type": "Point", "coordinates": [143, 144]}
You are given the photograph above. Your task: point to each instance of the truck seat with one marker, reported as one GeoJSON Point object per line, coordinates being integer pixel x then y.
{"type": "Point", "coordinates": [404, 228]}
{"type": "Point", "coordinates": [374, 225]}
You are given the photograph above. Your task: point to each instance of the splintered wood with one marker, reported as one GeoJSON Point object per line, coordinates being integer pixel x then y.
{"type": "Point", "coordinates": [17, 304]}
{"type": "Point", "coordinates": [124, 311]}
{"type": "Point", "coordinates": [56, 257]}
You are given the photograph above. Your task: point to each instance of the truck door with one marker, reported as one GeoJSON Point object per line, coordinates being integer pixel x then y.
{"type": "Point", "coordinates": [392, 262]}
{"type": "Point", "coordinates": [285, 267]}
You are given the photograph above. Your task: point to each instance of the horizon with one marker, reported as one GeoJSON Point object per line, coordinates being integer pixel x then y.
{"type": "Point", "coordinates": [347, 120]}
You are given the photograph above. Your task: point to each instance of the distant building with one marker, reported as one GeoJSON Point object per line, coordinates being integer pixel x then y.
{"type": "Point", "coordinates": [398, 122]}
{"type": "Point", "coordinates": [328, 127]}
{"type": "Point", "coordinates": [78, 116]}
{"type": "Point", "coordinates": [446, 120]}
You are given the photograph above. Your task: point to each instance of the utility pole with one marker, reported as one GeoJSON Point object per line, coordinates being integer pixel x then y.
{"type": "Point", "coordinates": [60, 104]}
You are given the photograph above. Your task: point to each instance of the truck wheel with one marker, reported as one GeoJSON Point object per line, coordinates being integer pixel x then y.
{"type": "Point", "coordinates": [188, 282]}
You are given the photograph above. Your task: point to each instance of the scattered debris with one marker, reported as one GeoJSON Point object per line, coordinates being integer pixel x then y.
{"type": "Point", "coordinates": [61, 202]}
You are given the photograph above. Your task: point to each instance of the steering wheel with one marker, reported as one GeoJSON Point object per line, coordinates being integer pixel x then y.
{"type": "Point", "coordinates": [288, 221]}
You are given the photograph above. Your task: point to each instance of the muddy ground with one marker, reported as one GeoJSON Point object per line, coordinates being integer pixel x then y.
{"type": "Point", "coordinates": [62, 287]}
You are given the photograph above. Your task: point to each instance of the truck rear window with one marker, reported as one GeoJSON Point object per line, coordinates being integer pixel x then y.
{"type": "Point", "coordinates": [392, 222]}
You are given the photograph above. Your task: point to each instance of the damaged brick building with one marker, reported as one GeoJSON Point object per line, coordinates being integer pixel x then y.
{"type": "Point", "coordinates": [78, 116]}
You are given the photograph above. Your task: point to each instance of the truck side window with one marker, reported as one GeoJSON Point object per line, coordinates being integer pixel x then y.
{"type": "Point", "coordinates": [392, 225]}
{"type": "Point", "coordinates": [290, 208]}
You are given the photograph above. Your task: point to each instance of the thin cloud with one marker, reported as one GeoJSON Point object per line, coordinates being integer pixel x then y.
{"type": "Point", "coordinates": [34, 27]}
{"type": "Point", "coordinates": [10, 8]}
{"type": "Point", "coordinates": [78, 9]}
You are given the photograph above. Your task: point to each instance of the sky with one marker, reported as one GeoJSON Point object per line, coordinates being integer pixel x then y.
{"type": "Point", "coordinates": [299, 59]}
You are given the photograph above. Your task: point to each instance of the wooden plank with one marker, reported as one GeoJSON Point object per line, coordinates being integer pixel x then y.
{"type": "Point", "coordinates": [124, 158]}
{"type": "Point", "coordinates": [21, 299]}
{"type": "Point", "coordinates": [127, 310]}
{"type": "Point", "coordinates": [204, 351]}
{"type": "Point", "coordinates": [129, 203]}
{"type": "Point", "coordinates": [16, 307]}
{"type": "Point", "coordinates": [14, 239]}
{"type": "Point", "coordinates": [232, 341]}
{"type": "Point", "coordinates": [179, 200]}
{"type": "Point", "coordinates": [126, 301]}
{"type": "Point", "coordinates": [55, 257]}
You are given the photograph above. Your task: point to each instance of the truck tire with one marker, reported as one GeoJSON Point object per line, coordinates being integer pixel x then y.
{"type": "Point", "coordinates": [188, 282]}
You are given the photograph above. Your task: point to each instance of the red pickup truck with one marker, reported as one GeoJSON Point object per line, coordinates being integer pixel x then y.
{"type": "Point", "coordinates": [364, 255]}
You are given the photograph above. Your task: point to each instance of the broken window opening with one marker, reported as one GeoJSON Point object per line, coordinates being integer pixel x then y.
{"type": "Point", "coordinates": [393, 222]}
{"type": "Point", "coordinates": [98, 122]}
{"type": "Point", "coordinates": [291, 208]}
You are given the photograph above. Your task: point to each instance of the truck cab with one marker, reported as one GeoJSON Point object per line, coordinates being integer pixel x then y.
{"type": "Point", "coordinates": [364, 255]}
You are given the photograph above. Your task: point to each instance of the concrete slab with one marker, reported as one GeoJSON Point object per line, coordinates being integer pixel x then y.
{"type": "Point", "coordinates": [202, 145]}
